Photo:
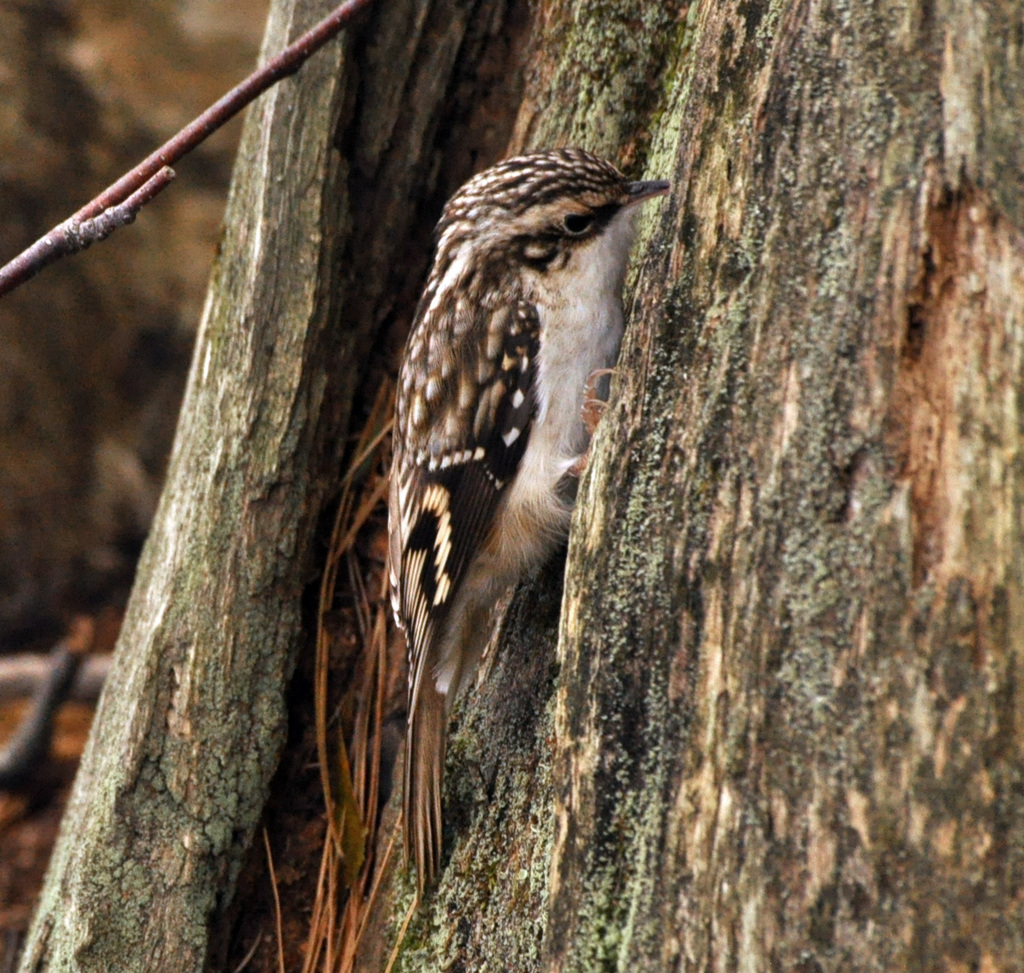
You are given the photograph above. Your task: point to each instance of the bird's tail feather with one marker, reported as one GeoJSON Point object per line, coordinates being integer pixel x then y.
{"type": "Point", "coordinates": [424, 770]}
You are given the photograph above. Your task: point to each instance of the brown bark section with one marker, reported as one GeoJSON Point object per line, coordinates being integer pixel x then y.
{"type": "Point", "coordinates": [787, 718]}
{"type": "Point", "coordinates": [789, 710]}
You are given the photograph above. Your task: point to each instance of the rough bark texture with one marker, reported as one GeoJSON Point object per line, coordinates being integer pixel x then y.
{"type": "Point", "coordinates": [592, 80]}
{"type": "Point", "coordinates": [789, 710]}
{"type": "Point", "coordinates": [191, 720]}
{"type": "Point", "coordinates": [316, 258]}
{"type": "Point", "coordinates": [787, 717]}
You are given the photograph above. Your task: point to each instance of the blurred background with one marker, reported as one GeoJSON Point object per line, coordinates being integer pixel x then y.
{"type": "Point", "coordinates": [94, 351]}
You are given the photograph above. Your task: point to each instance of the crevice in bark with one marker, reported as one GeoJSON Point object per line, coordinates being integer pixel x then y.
{"type": "Point", "coordinates": [952, 327]}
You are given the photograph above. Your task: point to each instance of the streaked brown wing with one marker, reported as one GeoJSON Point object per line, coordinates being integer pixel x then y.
{"type": "Point", "coordinates": [461, 447]}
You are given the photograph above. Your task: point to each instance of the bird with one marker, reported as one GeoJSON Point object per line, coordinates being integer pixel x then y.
{"type": "Point", "coordinates": [522, 304]}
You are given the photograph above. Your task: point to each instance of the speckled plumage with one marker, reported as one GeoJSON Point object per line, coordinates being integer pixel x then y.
{"type": "Point", "coordinates": [522, 303]}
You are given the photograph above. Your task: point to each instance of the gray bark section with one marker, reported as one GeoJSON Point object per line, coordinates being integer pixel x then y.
{"type": "Point", "coordinates": [192, 720]}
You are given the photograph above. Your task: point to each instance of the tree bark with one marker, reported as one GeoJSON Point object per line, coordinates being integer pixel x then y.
{"type": "Point", "coordinates": [786, 718]}
{"type": "Point", "coordinates": [191, 721]}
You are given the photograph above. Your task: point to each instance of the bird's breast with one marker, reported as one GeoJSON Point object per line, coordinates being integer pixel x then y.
{"type": "Point", "coordinates": [580, 334]}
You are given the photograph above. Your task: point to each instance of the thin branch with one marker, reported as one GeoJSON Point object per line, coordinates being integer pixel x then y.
{"type": "Point", "coordinates": [84, 234]}
{"type": "Point", "coordinates": [144, 181]}
{"type": "Point", "coordinates": [23, 754]}
{"type": "Point", "coordinates": [75, 234]}
{"type": "Point", "coordinates": [22, 675]}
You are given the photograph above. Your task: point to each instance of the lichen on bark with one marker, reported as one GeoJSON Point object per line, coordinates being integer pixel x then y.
{"type": "Point", "coordinates": [753, 657]}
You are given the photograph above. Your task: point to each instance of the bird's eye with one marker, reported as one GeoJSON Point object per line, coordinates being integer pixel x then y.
{"type": "Point", "coordinates": [578, 222]}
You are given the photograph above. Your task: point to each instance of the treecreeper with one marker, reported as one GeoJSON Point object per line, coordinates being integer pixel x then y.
{"type": "Point", "coordinates": [522, 306]}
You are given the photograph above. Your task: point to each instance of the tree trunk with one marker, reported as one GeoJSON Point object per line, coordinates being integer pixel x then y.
{"type": "Point", "coordinates": [786, 720]}
{"type": "Point", "coordinates": [192, 719]}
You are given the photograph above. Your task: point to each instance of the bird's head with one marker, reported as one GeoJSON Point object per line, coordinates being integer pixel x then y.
{"type": "Point", "coordinates": [546, 212]}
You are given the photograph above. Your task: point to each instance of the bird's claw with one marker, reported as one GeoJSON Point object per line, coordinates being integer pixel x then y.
{"type": "Point", "coordinates": [591, 411]}
{"type": "Point", "coordinates": [593, 405]}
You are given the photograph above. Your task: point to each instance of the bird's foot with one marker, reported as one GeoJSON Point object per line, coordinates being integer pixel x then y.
{"type": "Point", "coordinates": [592, 411]}
{"type": "Point", "coordinates": [593, 404]}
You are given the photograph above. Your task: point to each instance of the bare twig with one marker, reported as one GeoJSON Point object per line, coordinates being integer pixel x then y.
{"type": "Point", "coordinates": [78, 236]}
{"type": "Point", "coordinates": [137, 187]}
{"type": "Point", "coordinates": [22, 675]}
{"type": "Point", "coordinates": [25, 751]}
{"type": "Point", "coordinates": [21, 757]}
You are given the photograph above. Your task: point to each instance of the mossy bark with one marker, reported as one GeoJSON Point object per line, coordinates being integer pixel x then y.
{"type": "Point", "coordinates": [787, 716]}
{"type": "Point", "coordinates": [191, 720]}
{"type": "Point", "coordinates": [788, 720]}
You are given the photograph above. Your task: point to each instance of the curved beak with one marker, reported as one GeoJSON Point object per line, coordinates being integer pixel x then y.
{"type": "Point", "coordinates": [639, 191]}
